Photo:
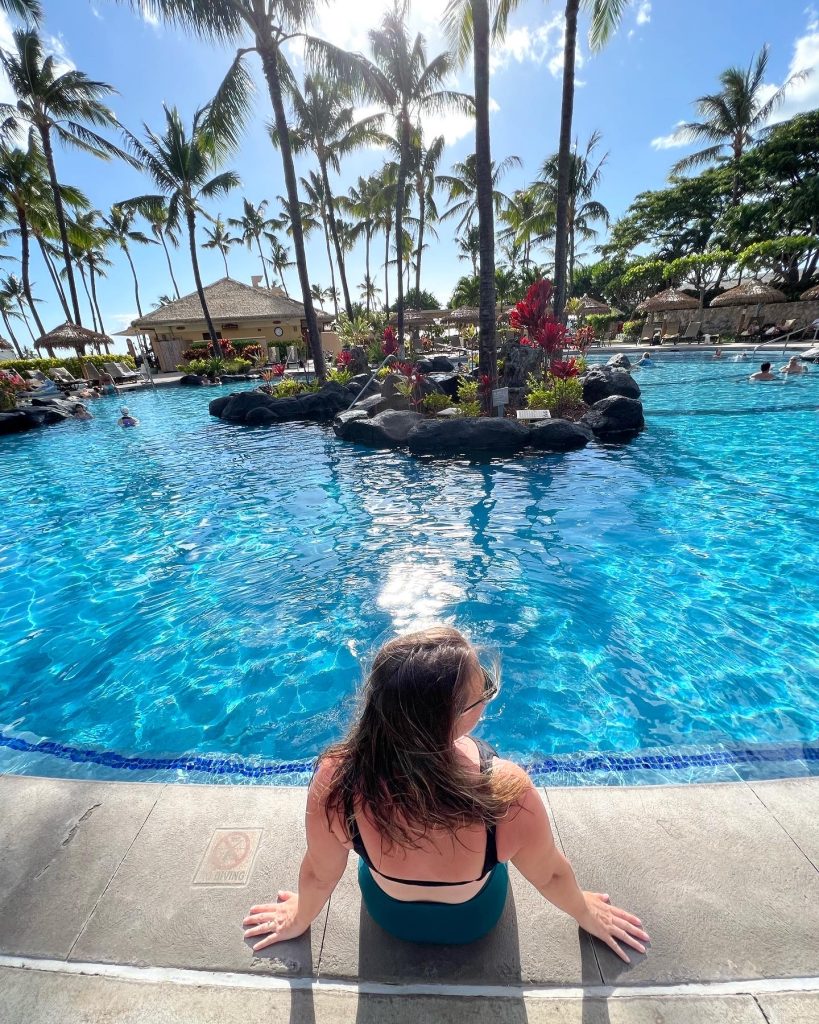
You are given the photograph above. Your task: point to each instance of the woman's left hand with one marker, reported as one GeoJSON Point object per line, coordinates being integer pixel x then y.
{"type": "Point", "coordinates": [276, 921]}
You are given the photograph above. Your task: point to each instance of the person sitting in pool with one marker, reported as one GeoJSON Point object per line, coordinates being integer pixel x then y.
{"type": "Point", "coordinates": [107, 384]}
{"type": "Point", "coordinates": [793, 365]}
{"type": "Point", "coordinates": [763, 373]}
{"type": "Point", "coordinates": [433, 814]}
{"type": "Point", "coordinates": [126, 419]}
{"type": "Point", "coordinates": [645, 360]}
{"type": "Point", "coordinates": [79, 412]}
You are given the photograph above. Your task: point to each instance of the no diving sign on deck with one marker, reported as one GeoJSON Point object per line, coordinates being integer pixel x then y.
{"type": "Point", "coordinates": [229, 857]}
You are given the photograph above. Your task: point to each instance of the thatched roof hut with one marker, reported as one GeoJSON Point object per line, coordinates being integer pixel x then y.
{"type": "Point", "coordinates": [588, 305]}
{"type": "Point", "coordinates": [749, 293]}
{"type": "Point", "coordinates": [6, 345]}
{"type": "Point", "coordinates": [670, 299]}
{"type": "Point", "coordinates": [463, 315]}
{"type": "Point", "coordinates": [70, 335]}
{"type": "Point", "coordinates": [810, 295]}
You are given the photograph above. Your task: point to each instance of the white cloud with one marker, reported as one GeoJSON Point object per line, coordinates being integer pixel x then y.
{"type": "Point", "coordinates": [56, 45]}
{"type": "Point", "coordinates": [804, 94]}
{"type": "Point", "coordinates": [538, 45]}
{"type": "Point", "coordinates": [644, 13]}
{"type": "Point", "coordinates": [122, 320]}
{"type": "Point", "coordinates": [96, 13]}
{"type": "Point", "coordinates": [670, 141]}
{"type": "Point", "coordinates": [149, 16]}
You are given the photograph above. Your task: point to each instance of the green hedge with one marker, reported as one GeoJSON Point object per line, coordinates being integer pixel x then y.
{"type": "Point", "coordinates": [72, 363]}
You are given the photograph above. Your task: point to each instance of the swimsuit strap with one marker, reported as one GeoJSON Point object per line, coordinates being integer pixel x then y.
{"type": "Point", "coordinates": [486, 755]}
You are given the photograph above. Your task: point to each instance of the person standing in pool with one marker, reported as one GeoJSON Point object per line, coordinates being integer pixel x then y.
{"type": "Point", "coordinates": [793, 366]}
{"type": "Point", "coordinates": [717, 354]}
{"type": "Point", "coordinates": [434, 814]}
{"type": "Point", "coordinates": [764, 373]}
{"type": "Point", "coordinates": [646, 360]}
{"type": "Point", "coordinates": [126, 419]}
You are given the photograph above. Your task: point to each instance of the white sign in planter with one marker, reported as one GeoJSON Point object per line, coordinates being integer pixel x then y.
{"type": "Point", "coordinates": [534, 414]}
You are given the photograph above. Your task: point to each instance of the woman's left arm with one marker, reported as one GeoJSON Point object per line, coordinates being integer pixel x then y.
{"type": "Point", "coordinates": [321, 869]}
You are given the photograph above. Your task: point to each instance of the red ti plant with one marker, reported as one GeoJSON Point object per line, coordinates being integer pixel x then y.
{"type": "Point", "coordinates": [583, 338]}
{"type": "Point", "coordinates": [389, 344]}
{"type": "Point", "coordinates": [534, 316]}
{"type": "Point", "coordinates": [278, 369]}
{"type": "Point", "coordinates": [485, 391]}
{"type": "Point", "coordinates": [563, 369]}
{"type": "Point", "coordinates": [412, 385]}
{"type": "Point", "coordinates": [344, 358]}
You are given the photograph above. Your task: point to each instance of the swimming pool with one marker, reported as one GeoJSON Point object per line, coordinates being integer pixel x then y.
{"type": "Point", "coordinates": [192, 599]}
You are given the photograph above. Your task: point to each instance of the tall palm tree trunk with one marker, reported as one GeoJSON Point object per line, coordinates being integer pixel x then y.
{"type": "Point", "coordinates": [136, 280]}
{"type": "Point", "coordinates": [22, 309]}
{"type": "Point", "coordinates": [367, 265]}
{"type": "Point", "coordinates": [12, 335]}
{"type": "Point", "coordinates": [45, 137]}
{"type": "Point", "coordinates": [421, 215]}
{"type": "Point", "coordinates": [387, 270]}
{"type": "Point", "coordinates": [400, 190]}
{"type": "Point", "coordinates": [224, 259]}
{"type": "Point", "coordinates": [331, 214]}
{"type": "Point", "coordinates": [87, 294]}
{"type": "Point", "coordinates": [170, 265]}
{"type": "Point", "coordinates": [487, 352]}
{"type": "Point", "coordinates": [330, 259]}
{"type": "Point", "coordinates": [264, 265]}
{"type": "Point", "coordinates": [54, 277]}
{"type": "Point", "coordinates": [564, 157]}
{"type": "Point", "coordinates": [269, 54]}
{"type": "Point", "coordinates": [93, 275]}
{"type": "Point", "coordinates": [190, 217]}
{"type": "Point", "coordinates": [24, 259]}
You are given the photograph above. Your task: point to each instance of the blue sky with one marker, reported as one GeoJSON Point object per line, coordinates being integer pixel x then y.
{"type": "Point", "coordinates": [666, 53]}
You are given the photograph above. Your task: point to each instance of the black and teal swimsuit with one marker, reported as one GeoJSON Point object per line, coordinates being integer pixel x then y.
{"type": "Point", "coordinates": [429, 921]}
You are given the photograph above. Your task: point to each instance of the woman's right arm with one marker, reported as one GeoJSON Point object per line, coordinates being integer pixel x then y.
{"type": "Point", "coordinates": [534, 853]}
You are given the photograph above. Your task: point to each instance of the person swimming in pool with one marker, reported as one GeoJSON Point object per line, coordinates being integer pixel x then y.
{"type": "Point", "coordinates": [764, 373]}
{"type": "Point", "coordinates": [434, 814]}
{"type": "Point", "coordinates": [793, 366]}
{"type": "Point", "coordinates": [646, 360]}
{"type": "Point", "coordinates": [126, 419]}
{"type": "Point", "coordinates": [717, 354]}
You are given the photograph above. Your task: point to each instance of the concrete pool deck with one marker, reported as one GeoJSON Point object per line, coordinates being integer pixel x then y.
{"type": "Point", "coordinates": [124, 902]}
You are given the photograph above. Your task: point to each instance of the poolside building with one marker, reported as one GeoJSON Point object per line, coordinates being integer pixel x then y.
{"type": "Point", "coordinates": [240, 312]}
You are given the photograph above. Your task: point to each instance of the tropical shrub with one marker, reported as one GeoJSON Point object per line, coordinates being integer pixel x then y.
{"type": "Point", "coordinates": [560, 391]}
{"type": "Point", "coordinates": [632, 328]}
{"type": "Point", "coordinates": [11, 385]}
{"type": "Point", "coordinates": [436, 402]}
{"type": "Point", "coordinates": [199, 349]}
{"type": "Point", "coordinates": [288, 387]}
{"type": "Point", "coordinates": [469, 400]}
{"type": "Point", "coordinates": [340, 376]}
{"type": "Point", "coordinates": [600, 322]}
{"type": "Point", "coordinates": [358, 331]}
{"type": "Point", "coordinates": [390, 342]}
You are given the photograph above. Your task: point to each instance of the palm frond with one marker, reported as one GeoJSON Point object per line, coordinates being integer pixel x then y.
{"type": "Point", "coordinates": [606, 15]}
{"type": "Point", "coordinates": [227, 113]}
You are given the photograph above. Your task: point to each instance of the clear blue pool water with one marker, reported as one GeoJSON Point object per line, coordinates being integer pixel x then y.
{"type": "Point", "coordinates": [191, 587]}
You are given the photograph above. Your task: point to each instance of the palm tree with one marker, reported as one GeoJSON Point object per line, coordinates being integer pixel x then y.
{"type": "Point", "coordinates": [423, 167]}
{"type": "Point", "coordinates": [313, 186]}
{"type": "Point", "coordinates": [469, 247]}
{"type": "Point", "coordinates": [467, 292]}
{"type": "Point", "coordinates": [218, 237]}
{"type": "Point", "coordinates": [272, 24]}
{"type": "Point", "coordinates": [732, 117]}
{"type": "Point", "coordinates": [399, 77]}
{"type": "Point", "coordinates": [12, 287]}
{"type": "Point", "coordinates": [585, 172]}
{"type": "Point", "coordinates": [462, 185]}
{"type": "Point", "coordinates": [156, 214]}
{"type": "Point", "coordinates": [97, 263]}
{"type": "Point", "coordinates": [9, 312]}
{"type": "Point", "coordinates": [360, 203]}
{"type": "Point", "coordinates": [62, 104]}
{"type": "Point", "coordinates": [326, 125]}
{"type": "Point", "coordinates": [183, 166]}
{"type": "Point", "coordinates": [120, 225]}
{"type": "Point", "coordinates": [369, 292]}
{"type": "Point", "coordinates": [383, 210]}
{"type": "Point", "coordinates": [280, 260]}
{"type": "Point", "coordinates": [254, 226]}
{"type": "Point", "coordinates": [30, 10]}
{"type": "Point", "coordinates": [524, 217]}
{"type": "Point", "coordinates": [89, 237]}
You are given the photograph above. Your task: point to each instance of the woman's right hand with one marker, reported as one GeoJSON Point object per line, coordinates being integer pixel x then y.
{"type": "Point", "coordinates": [609, 924]}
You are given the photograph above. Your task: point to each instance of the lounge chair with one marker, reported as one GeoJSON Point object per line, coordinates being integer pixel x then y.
{"type": "Point", "coordinates": [671, 331]}
{"type": "Point", "coordinates": [126, 371]}
{"type": "Point", "coordinates": [120, 376]}
{"type": "Point", "coordinates": [692, 332]}
{"type": "Point", "coordinates": [92, 372]}
{"type": "Point", "coordinates": [60, 375]}
{"type": "Point", "coordinates": [648, 331]}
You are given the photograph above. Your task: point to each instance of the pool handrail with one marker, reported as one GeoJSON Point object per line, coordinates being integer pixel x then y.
{"type": "Point", "coordinates": [787, 338]}
{"type": "Point", "coordinates": [372, 377]}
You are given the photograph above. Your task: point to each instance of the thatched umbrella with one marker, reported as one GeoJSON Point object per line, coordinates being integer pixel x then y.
{"type": "Point", "coordinates": [5, 344]}
{"type": "Point", "coordinates": [588, 305]}
{"type": "Point", "coordinates": [670, 299]}
{"type": "Point", "coordinates": [463, 315]}
{"type": "Point", "coordinates": [810, 295]}
{"type": "Point", "coordinates": [749, 293]}
{"type": "Point", "coordinates": [416, 318]}
{"type": "Point", "coordinates": [70, 335]}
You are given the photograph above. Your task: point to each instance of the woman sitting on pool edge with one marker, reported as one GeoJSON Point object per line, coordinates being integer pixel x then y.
{"type": "Point", "coordinates": [433, 813]}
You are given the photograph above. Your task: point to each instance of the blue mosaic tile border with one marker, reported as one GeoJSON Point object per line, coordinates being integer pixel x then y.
{"type": "Point", "coordinates": [572, 764]}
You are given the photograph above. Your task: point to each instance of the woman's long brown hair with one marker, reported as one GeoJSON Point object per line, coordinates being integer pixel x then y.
{"type": "Point", "coordinates": [398, 764]}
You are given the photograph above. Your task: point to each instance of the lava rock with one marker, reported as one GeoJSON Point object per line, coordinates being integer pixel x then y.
{"type": "Point", "coordinates": [424, 365]}
{"type": "Point", "coordinates": [386, 430]}
{"type": "Point", "coordinates": [15, 421]}
{"type": "Point", "coordinates": [604, 381]}
{"type": "Point", "coordinates": [442, 364]}
{"type": "Point", "coordinates": [466, 435]}
{"type": "Point", "coordinates": [360, 380]}
{"type": "Point", "coordinates": [218, 404]}
{"type": "Point", "coordinates": [519, 362]}
{"type": "Point", "coordinates": [620, 360]}
{"type": "Point", "coordinates": [447, 383]}
{"type": "Point", "coordinates": [191, 380]}
{"type": "Point", "coordinates": [559, 436]}
{"type": "Point", "coordinates": [255, 407]}
{"type": "Point", "coordinates": [358, 360]}
{"type": "Point", "coordinates": [615, 418]}
{"type": "Point", "coordinates": [372, 405]}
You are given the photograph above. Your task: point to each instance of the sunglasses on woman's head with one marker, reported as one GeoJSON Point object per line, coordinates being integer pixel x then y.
{"type": "Point", "coordinates": [490, 691]}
